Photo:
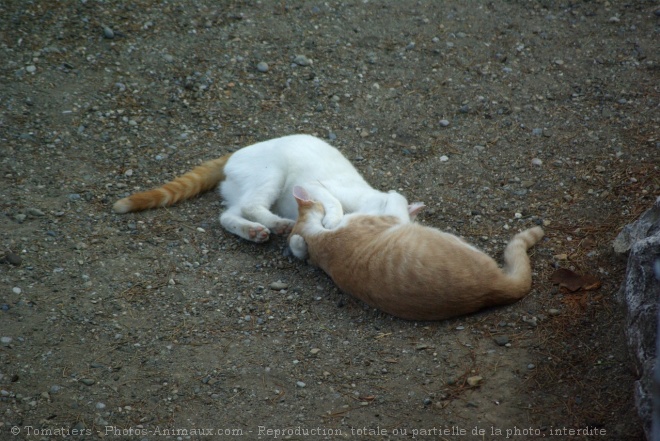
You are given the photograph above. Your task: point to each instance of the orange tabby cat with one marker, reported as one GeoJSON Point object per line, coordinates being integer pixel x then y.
{"type": "Point", "coordinates": [409, 270]}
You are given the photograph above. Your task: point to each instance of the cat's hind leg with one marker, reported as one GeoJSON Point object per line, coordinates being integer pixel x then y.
{"type": "Point", "coordinates": [234, 222]}
{"type": "Point", "coordinates": [263, 215]}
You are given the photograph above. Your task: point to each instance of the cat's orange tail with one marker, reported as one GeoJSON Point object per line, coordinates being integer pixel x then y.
{"type": "Point", "coordinates": [200, 179]}
{"type": "Point", "coordinates": [516, 262]}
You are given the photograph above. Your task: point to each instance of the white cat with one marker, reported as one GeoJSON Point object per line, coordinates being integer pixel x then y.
{"type": "Point", "coordinates": [257, 185]}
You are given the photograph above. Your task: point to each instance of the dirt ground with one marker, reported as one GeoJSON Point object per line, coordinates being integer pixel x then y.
{"type": "Point", "coordinates": [161, 325]}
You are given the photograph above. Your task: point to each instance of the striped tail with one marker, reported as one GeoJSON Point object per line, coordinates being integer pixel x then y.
{"type": "Point", "coordinates": [200, 179]}
{"type": "Point", "coordinates": [516, 262]}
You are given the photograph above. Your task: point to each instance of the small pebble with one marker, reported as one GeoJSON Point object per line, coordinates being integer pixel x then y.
{"type": "Point", "coordinates": [553, 311]}
{"type": "Point", "coordinates": [5, 341]}
{"type": "Point", "coordinates": [16, 290]}
{"type": "Point", "coordinates": [460, 328]}
{"type": "Point", "coordinates": [531, 366]}
{"type": "Point", "coordinates": [537, 162]}
{"type": "Point", "coordinates": [74, 197]}
{"type": "Point", "coordinates": [302, 60]}
{"type": "Point", "coordinates": [474, 381]}
{"type": "Point", "coordinates": [20, 218]}
{"type": "Point", "coordinates": [12, 258]}
{"type": "Point", "coordinates": [88, 381]}
{"type": "Point", "coordinates": [31, 68]}
{"type": "Point", "coordinates": [300, 384]}
{"type": "Point", "coordinates": [35, 212]}
{"type": "Point", "coordinates": [315, 351]}
{"type": "Point", "coordinates": [428, 401]}
{"type": "Point", "coordinates": [278, 285]}
{"type": "Point", "coordinates": [108, 32]}
{"type": "Point", "coordinates": [444, 123]}
{"type": "Point", "coordinates": [262, 66]}
{"type": "Point", "coordinates": [100, 405]}
{"type": "Point", "coordinates": [444, 158]}
{"type": "Point", "coordinates": [501, 340]}
{"type": "Point", "coordinates": [55, 389]}
{"type": "Point", "coordinates": [531, 321]}
{"type": "Point", "coordinates": [169, 58]}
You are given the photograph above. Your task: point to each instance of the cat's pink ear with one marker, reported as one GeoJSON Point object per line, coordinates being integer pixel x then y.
{"type": "Point", "coordinates": [414, 209]}
{"type": "Point", "coordinates": [300, 194]}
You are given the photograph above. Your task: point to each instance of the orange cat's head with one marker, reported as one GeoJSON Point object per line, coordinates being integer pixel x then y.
{"type": "Point", "coordinates": [310, 221]}
{"type": "Point", "coordinates": [306, 206]}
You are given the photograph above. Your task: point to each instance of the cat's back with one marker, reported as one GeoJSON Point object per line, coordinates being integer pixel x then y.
{"type": "Point", "coordinates": [293, 149]}
{"type": "Point", "coordinates": [393, 236]}
{"type": "Point", "coordinates": [388, 251]}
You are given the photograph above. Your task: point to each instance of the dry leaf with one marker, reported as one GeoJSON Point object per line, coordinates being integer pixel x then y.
{"type": "Point", "coordinates": [573, 281]}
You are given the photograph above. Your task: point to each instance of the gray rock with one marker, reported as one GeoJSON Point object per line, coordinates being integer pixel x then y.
{"type": "Point", "coordinates": [262, 67]}
{"type": "Point", "coordinates": [12, 259]}
{"type": "Point", "coordinates": [640, 292]}
{"type": "Point", "coordinates": [645, 226]}
{"type": "Point", "coordinates": [501, 340]}
{"type": "Point", "coordinates": [279, 285]}
{"type": "Point", "coordinates": [35, 212]}
{"type": "Point", "coordinates": [108, 32]}
{"type": "Point", "coordinates": [302, 60]}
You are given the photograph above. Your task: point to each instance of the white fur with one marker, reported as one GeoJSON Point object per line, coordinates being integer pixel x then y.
{"type": "Point", "coordinates": [259, 180]}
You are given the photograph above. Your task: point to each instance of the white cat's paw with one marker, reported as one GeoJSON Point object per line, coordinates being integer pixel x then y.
{"type": "Point", "coordinates": [298, 246]}
{"type": "Point", "coordinates": [283, 227]}
{"type": "Point", "coordinates": [258, 234]}
{"type": "Point", "coordinates": [331, 222]}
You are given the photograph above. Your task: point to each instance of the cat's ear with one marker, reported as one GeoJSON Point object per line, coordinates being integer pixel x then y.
{"type": "Point", "coordinates": [414, 209]}
{"type": "Point", "coordinates": [301, 195]}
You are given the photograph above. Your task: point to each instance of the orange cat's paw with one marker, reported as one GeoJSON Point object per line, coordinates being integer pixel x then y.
{"type": "Point", "coordinates": [258, 234]}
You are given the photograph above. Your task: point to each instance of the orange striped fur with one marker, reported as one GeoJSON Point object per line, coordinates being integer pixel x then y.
{"type": "Point", "coordinates": [410, 270]}
{"type": "Point", "coordinates": [199, 180]}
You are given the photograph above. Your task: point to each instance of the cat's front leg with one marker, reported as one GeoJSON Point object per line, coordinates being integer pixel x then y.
{"type": "Point", "coordinates": [334, 211]}
{"type": "Point", "coordinates": [332, 220]}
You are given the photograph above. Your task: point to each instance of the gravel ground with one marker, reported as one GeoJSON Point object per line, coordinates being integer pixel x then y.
{"type": "Point", "coordinates": [160, 325]}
